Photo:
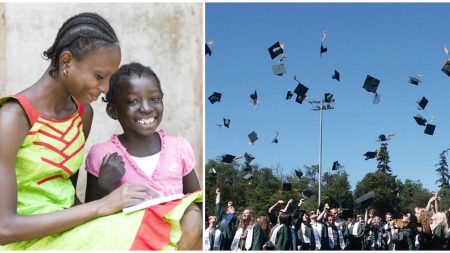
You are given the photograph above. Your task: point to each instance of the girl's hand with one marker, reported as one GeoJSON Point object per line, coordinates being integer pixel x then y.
{"type": "Point", "coordinates": [124, 196]}
{"type": "Point", "coordinates": [111, 171]}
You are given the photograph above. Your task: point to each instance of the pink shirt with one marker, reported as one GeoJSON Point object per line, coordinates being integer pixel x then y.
{"type": "Point", "coordinates": [176, 161]}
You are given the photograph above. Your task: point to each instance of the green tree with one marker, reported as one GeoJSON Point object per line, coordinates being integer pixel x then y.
{"type": "Point", "coordinates": [444, 203]}
{"type": "Point", "coordinates": [312, 171]}
{"type": "Point", "coordinates": [338, 192]}
{"type": "Point", "coordinates": [385, 188]}
{"type": "Point", "coordinates": [442, 170]}
{"type": "Point", "coordinates": [383, 159]}
{"type": "Point", "coordinates": [412, 195]}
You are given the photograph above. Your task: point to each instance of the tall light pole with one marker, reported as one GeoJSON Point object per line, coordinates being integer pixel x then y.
{"type": "Point", "coordinates": [321, 105]}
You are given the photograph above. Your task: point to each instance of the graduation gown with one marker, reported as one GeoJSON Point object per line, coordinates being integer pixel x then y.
{"type": "Point", "coordinates": [305, 230]}
{"type": "Point", "coordinates": [356, 239]}
{"type": "Point", "coordinates": [285, 238]}
{"type": "Point", "coordinates": [253, 241]}
{"type": "Point", "coordinates": [389, 244]}
{"type": "Point", "coordinates": [213, 239]}
{"type": "Point", "coordinates": [227, 225]}
{"type": "Point", "coordinates": [335, 237]}
{"type": "Point", "coordinates": [374, 239]}
{"type": "Point", "coordinates": [438, 240]}
{"type": "Point", "coordinates": [403, 240]}
{"type": "Point", "coordinates": [320, 237]}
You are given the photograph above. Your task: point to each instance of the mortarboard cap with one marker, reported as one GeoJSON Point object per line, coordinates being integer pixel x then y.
{"type": "Point", "coordinates": [382, 137]}
{"type": "Point", "coordinates": [275, 139]}
{"type": "Point", "coordinates": [370, 155]}
{"type": "Point", "coordinates": [215, 97]}
{"type": "Point", "coordinates": [298, 173]}
{"type": "Point", "coordinates": [212, 172]}
{"type": "Point", "coordinates": [207, 50]}
{"type": "Point", "coordinates": [287, 187]}
{"type": "Point", "coordinates": [446, 68]}
{"type": "Point", "coordinates": [248, 167]}
{"type": "Point", "coordinates": [307, 193]}
{"type": "Point", "coordinates": [429, 129]}
{"type": "Point", "coordinates": [278, 69]}
{"type": "Point", "coordinates": [299, 99]}
{"type": "Point", "coordinates": [414, 80]}
{"type": "Point", "coordinates": [423, 103]}
{"type": "Point", "coordinates": [366, 199]}
{"type": "Point", "coordinates": [254, 97]}
{"type": "Point", "coordinates": [328, 98]}
{"type": "Point", "coordinates": [336, 76]}
{"type": "Point", "coordinates": [336, 165]}
{"type": "Point", "coordinates": [301, 90]}
{"type": "Point", "coordinates": [371, 84]}
{"type": "Point", "coordinates": [420, 120]}
{"type": "Point", "coordinates": [248, 157]}
{"type": "Point", "coordinates": [275, 50]}
{"type": "Point", "coordinates": [226, 122]}
{"type": "Point", "coordinates": [228, 158]}
{"type": "Point", "coordinates": [323, 48]}
{"type": "Point", "coordinates": [252, 137]}
{"type": "Point", "coordinates": [248, 176]}
{"type": "Point", "coordinates": [289, 94]}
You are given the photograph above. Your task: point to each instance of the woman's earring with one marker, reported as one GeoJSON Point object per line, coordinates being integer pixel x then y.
{"type": "Point", "coordinates": [65, 73]}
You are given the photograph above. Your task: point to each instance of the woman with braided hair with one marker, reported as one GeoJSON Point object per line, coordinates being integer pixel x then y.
{"type": "Point", "coordinates": [45, 127]}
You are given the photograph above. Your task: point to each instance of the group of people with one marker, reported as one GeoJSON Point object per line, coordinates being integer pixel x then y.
{"type": "Point", "coordinates": [292, 228]}
{"type": "Point", "coordinates": [45, 128]}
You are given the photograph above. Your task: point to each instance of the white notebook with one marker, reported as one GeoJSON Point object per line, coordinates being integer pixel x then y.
{"type": "Point", "coordinates": [152, 202]}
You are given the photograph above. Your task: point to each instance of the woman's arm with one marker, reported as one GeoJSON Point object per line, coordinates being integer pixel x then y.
{"type": "Point", "coordinates": [287, 205]}
{"type": "Point", "coordinates": [432, 199]}
{"type": "Point", "coordinates": [274, 205]}
{"type": "Point", "coordinates": [190, 183]}
{"type": "Point", "coordinates": [14, 127]}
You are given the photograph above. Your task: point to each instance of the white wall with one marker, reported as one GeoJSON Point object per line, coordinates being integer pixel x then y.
{"type": "Point", "coordinates": [168, 37]}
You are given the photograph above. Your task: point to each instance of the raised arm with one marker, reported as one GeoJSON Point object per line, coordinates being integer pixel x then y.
{"type": "Point", "coordinates": [432, 199]}
{"type": "Point", "coordinates": [296, 210]}
{"type": "Point", "coordinates": [217, 196]}
{"type": "Point", "coordinates": [14, 127]}
{"type": "Point", "coordinates": [322, 214]}
{"type": "Point", "coordinates": [274, 205]}
{"type": "Point", "coordinates": [436, 204]}
{"type": "Point", "coordinates": [287, 205]}
{"type": "Point", "coordinates": [365, 216]}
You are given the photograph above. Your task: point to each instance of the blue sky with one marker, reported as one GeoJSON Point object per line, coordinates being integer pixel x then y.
{"type": "Point", "coordinates": [389, 41]}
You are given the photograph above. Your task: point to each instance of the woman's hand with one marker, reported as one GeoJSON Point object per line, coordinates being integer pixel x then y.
{"type": "Point", "coordinates": [124, 196]}
{"type": "Point", "coordinates": [111, 171]}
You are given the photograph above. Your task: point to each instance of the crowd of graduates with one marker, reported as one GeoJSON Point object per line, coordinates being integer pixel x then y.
{"type": "Point", "coordinates": [292, 228]}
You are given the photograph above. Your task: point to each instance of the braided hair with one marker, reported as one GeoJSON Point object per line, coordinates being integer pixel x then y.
{"type": "Point", "coordinates": [124, 73]}
{"type": "Point", "coordinates": [80, 34]}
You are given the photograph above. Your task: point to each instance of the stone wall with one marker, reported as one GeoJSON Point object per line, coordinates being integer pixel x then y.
{"type": "Point", "coordinates": [168, 37]}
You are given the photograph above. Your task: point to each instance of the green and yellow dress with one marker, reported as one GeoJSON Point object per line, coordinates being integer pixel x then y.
{"type": "Point", "coordinates": [51, 153]}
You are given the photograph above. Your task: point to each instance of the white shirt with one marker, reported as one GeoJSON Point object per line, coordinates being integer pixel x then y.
{"type": "Point", "coordinates": [147, 164]}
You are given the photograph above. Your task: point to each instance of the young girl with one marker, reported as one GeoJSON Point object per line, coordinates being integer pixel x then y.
{"type": "Point", "coordinates": [142, 155]}
{"type": "Point", "coordinates": [45, 127]}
